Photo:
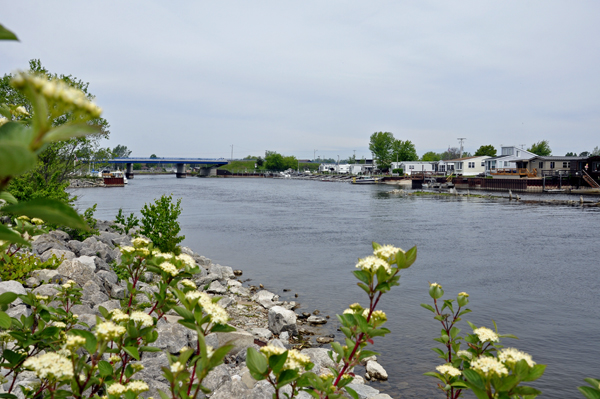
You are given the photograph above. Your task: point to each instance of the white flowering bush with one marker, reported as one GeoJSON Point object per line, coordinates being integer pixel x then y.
{"type": "Point", "coordinates": [485, 366]}
{"type": "Point", "coordinates": [377, 274]}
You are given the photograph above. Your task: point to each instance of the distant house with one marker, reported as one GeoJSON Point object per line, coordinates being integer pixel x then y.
{"type": "Point", "coordinates": [469, 166]}
{"type": "Point", "coordinates": [548, 166]}
{"type": "Point", "coordinates": [411, 167]}
{"type": "Point", "coordinates": [506, 162]}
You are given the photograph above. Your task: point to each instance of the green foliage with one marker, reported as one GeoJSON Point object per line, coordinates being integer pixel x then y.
{"type": "Point", "coordinates": [19, 266]}
{"type": "Point", "coordinates": [32, 185]}
{"type": "Point", "coordinates": [571, 154]}
{"type": "Point", "coordinates": [486, 150]}
{"type": "Point", "coordinates": [404, 151]}
{"type": "Point", "coordinates": [5, 34]}
{"type": "Point", "coordinates": [259, 162]}
{"type": "Point", "coordinates": [431, 156]}
{"type": "Point", "coordinates": [159, 223]}
{"type": "Point", "coordinates": [400, 171]}
{"type": "Point", "coordinates": [137, 166]}
{"type": "Point", "coordinates": [153, 156]}
{"type": "Point", "coordinates": [89, 230]}
{"type": "Point", "coordinates": [381, 145]}
{"type": "Point", "coordinates": [541, 148]}
{"type": "Point", "coordinates": [128, 223]}
{"type": "Point", "coordinates": [277, 162]}
{"type": "Point", "coordinates": [120, 151]}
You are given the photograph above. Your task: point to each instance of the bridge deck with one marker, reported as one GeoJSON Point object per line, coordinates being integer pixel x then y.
{"type": "Point", "coordinates": [205, 161]}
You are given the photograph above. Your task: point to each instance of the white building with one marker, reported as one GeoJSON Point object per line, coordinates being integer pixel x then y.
{"type": "Point", "coordinates": [507, 160]}
{"type": "Point", "coordinates": [469, 166]}
{"type": "Point", "coordinates": [410, 167]}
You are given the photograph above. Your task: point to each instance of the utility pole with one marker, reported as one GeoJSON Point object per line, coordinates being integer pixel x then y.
{"type": "Point", "coordinates": [315, 155]}
{"type": "Point", "coordinates": [461, 139]}
{"type": "Point", "coordinates": [231, 152]}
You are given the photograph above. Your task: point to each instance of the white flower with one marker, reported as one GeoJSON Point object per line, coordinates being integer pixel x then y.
{"type": "Point", "coordinates": [50, 366]}
{"type": "Point", "coordinates": [466, 354]}
{"type": "Point", "coordinates": [435, 285]}
{"type": "Point", "coordinates": [270, 350]}
{"type": "Point", "coordinates": [127, 249]}
{"type": "Point", "coordinates": [116, 389]}
{"type": "Point", "coordinates": [59, 324]}
{"type": "Point", "coordinates": [177, 367]}
{"type": "Point", "coordinates": [140, 242]}
{"type": "Point", "coordinates": [511, 356]}
{"type": "Point", "coordinates": [21, 110]}
{"type": "Point", "coordinates": [41, 297]}
{"type": "Point", "coordinates": [109, 330]}
{"type": "Point", "coordinates": [188, 283]}
{"type": "Point", "coordinates": [114, 359]}
{"type": "Point", "coordinates": [37, 221]}
{"type": "Point", "coordinates": [137, 386]}
{"type": "Point", "coordinates": [117, 315]}
{"type": "Point", "coordinates": [295, 360]}
{"type": "Point", "coordinates": [372, 263]}
{"type": "Point", "coordinates": [3, 120]}
{"type": "Point", "coordinates": [217, 314]}
{"type": "Point", "coordinates": [487, 366]}
{"type": "Point", "coordinates": [169, 268]}
{"type": "Point", "coordinates": [144, 319]}
{"type": "Point", "coordinates": [486, 335]}
{"type": "Point", "coordinates": [387, 251]}
{"type": "Point", "coordinates": [74, 342]}
{"type": "Point", "coordinates": [448, 370]}
{"type": "Point", "coordinates": [188, 260]}
{"type": "Point", "coordinates": [202, 297]}
{"type": "Point", "coordinates": [69, 284]}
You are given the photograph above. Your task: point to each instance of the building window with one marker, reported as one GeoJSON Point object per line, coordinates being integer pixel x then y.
{"type": "Point", "coordinates": [518, 153]}
{"type": "Point", "coordinates": [565, 165]}
{"type": "Point", "coordinates": [483, 163]}
{"type": "Point", "coordinates": [551, 165]}
{"type": "Point", "coordinates": [541, 166]}
{"type": "Point", "coordinates": [505, 163]}
{"type": "Point", "coordinates": [471, 165]}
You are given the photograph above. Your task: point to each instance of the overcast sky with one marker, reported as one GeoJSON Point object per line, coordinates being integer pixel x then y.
{"type": "Point", "coordinates": [193, 78]}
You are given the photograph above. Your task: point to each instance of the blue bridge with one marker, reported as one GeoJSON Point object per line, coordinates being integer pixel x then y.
{"type": "Point", "coordinates": [180, 162]}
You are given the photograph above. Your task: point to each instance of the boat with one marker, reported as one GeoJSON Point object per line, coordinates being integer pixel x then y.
{"type": "Point", "coordinates": [364, 180]}
{"type": "Point", "coordinates": [114, 179]}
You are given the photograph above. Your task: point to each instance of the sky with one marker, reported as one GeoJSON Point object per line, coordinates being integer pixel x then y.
{"type": "Point", "coordinates": [317, 78]}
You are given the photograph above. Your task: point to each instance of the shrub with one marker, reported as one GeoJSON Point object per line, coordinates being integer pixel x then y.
{"type": "Point", "coordinates": [19, 266]}
{"type": "Point", "coordinates": [160, 225]}
{"type": "Point", "coordinates": [90, 221]}
{"type": "Point", "coordinates": [128, 223]}
{"type": "Point", "coordinates": [400, 171]}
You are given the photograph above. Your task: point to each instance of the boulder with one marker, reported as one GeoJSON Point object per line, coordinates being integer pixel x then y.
{"type": "Point", "coordinates": [46, 275]}
{"type": "Point", "coordinates": [46, 289]}
{"type": "Point", "coordinates": [13, 286]}
{"type": "Point", "coordinates": [202, 281]}
{"type": "Point", "coordinates": [108, 305]}
{"type": "Point", "coordinates": [320, 358]}
{"type": "Point", "coordinates": [75, 270]}
{"type": "Point", "coordinates": [234, 388]}
{"type": "Point", "coordinates": [18, 311]}
{"type": "Point", "coordinates": [46, 242]}
{"type": "Point", "coordinates": [101, 264]}
{"type": "Point", "coordinates": [282, 319]}
{"type": "Point", "coordinates": [380, 396]}
{"type": "Point", "coordinates": [265, 298]}
{"type": "Point", "coordinates": [261, 334]}
{"type": "Point", "coordinates": [376, 372]}
{"type": "Point", "coordinates": [31, 282]}
{"type": "Point", "coordinates": [239, 339]}
{"type": "Point", "coordinates": [93, 294]}
{"type": "Point", "coordinates": [171, 337]}
{"type": "Point", "coordinates": [75, 245]}
{"type": "Point", "coordinates": [60, 254]}
{"type": "Point", "coordinates": [217, 377]}
{"type": "Point", "coordinates": [241, 291]}
{"type": "Point", "coordinates": [316, 320]}
{"type": "Point", "coordinates": [60, 235]}
{"type": "Point", "coordinates": [122, 241]}
{"type": "Point", "coordinates": [107, 238]}
{"type": "Point", "coordinates": [216, 288]}
{"type": "Point", "coordinates": [364, 391]}
{"type": "Point", "coordinates": [224, 272]}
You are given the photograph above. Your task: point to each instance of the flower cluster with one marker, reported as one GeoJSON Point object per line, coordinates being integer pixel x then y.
{"type": "Point", "coordinates": [136, 386]}
{"type": "Point", "coordinates": [510, 356]}
{"type": "Point", "coordinates": [177, 367]}
{"type": "Point", "coordinates": [139, 242]}
{"type": "Point", "coordinates": [386, 252]}
{"type": "Point", "coordinates": [188, 260]}
{"type": "Point", "coordinates": [465, 354]}
{"type": "Point", "coordinates": [169, 268]}
{"type": "Point", "coordinates": [57, 90]}
{"type": "Point", "coordinates": [488, 366]}
{"type": "Point", "coordinates": [109, 331]}
{"type": "Point", "coordinates": [188, 283]}
{"type": "Point", "coordinates": [117, 315]}
{"type": "Point", "coordinates": [372, 263]}
{"type": "Point", "coordinates": [142, 318]}
{"type": "Point", "coordinates": [448, 369]}
{"type": "Point", "coordinates": [50, 366]}
{"type": "Point", "coordinates": [486, 335]}
{"type": "Point", "coordinates": [69, 284]}
{"type": "Point", "coordinates": [37, 221]}
{"type": "Point", "coordinates": [217, 314]}
{"type": "Point", "coordinates": [74, 342]}
{"type": "Point", "coordinates": [435, 285]}
{"type": "Point", "coordinates": [295, 360]}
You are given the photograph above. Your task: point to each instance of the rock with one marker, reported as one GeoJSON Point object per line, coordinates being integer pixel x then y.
{"type": "Point", "coordinates": [46, 289]}
{"type": "Point", "coordinates": [107, 278]}
{"type": "Point", "coordinates": [238, 272]}
{"type": "Point", "coordinates": [379, 396]}
{"type": "Point", "coordinates": [217, 377]}
{"type": "Point", "coordinates": [277, 343]}
{"type": "Point", "coordinates": [18, 311]}
{"type": "Point", "coordinates": [226, 302]}
{"type": "Point", "coordinates": [281, 319]}
{"type": "Point", "coordinates": [153, 368]}
{"type": "Point", "coordinates": [46, 242]}
{"type": "Point", "coordinates": [59, 253]}
{"type": "Point", "coordinates": [206, 280]}
{"type": "Point", "coordinates": [83, 309]}
{"type": "Point", "coordinates": [375, 371]}
{"type": "Point", "coordinates": [233, 283]}
{"type": "Point", "coordinates": [46, 275]}
{"type": "Point", "coordinates": [118, 292]}
{"type": "Point", "coordinates": [316, 312]}
{"type": "Point", "coordinates": [324, 340]}
{"type": "Point", "coordinates": [108, 238]}
{"type": "Point", "coordinates": [108, 305]}
{"type": "Point", "coordinates": [366, 359]}
{"type": "Point", "coordinates": [239, 339]}
{"type": "Point", "coordinates": [13, 286]}
{"type": "Point", "coordinates": [284, 336]}
{"type": "Point", "coordinates": [320, 358]}
{"type": "Point", "coordinates": [224, 272]}
{"type": "Point", "coordinates": [233, 389]}
{"type": "Point", "coordinates": [122, 241]}
{"type": "Point", "coordinates": [216, 288]}
{"type": "Point", "coordinates": [262, 334]}
{"type": "Point", "coordinates": [93, 294]}
{"type": "Point", "coordinates": [77, 271]}
{"type": "Point", "coordinates": [89, 261]}
{"type": "Point", "coordinates": [201, 260]}
{"type": "Point", "coordinates": [171, 337]}
{"type": "Point", "coordinates": [364, 391]}
{"type": "Point", "coordinates": [32, 282]}
{"type": "Point", "coordinates": [75, 245]}
{"type": "Point", "coordinates": [60, 235]}
{"type": "Point", "coordinates": [265, 298]}
{"type": "Point", "coordinates": [89, 319]}
{"type": "Point", "coordinates": [241, 291]}
{"type": "Point", "coordinates": [101, 264]}
{"type": "Point", "coordinates": [316, 320]}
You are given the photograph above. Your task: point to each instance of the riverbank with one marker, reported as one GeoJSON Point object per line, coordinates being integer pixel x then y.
{"type": "Point", "coordinates": [259, 315]}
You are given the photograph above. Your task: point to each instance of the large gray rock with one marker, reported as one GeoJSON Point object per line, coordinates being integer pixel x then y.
{"type": "Point", "coordinates": [262, 334]}
{"type": "Point", "coordinates": [13, 286]}
{"type": "Point", "coordinates": [19, 311]}
{"type": "Point", "coordinates": [171, 337]}
{"type": "Point", "coordinates": [46, 289]}
{"type": "Point", "coordinates": [217, 377]}
{"type": "Point", "coordinates": [92, 247]}
{"type": "Point", "coordinates": [46, 242]}
{"type": "Point", "coordinates": [60, 254]}
{"type": "Point", "coordinates": [364, 391]}
{"type": "Point", "coordinates": [122, 241]}
{"type": "Point", "coordinates": [89, 261]}
{"type": "Point", "coordinates": [107, 238]}
{"type": "Point", "coordinates": [153, 368]}
{"type": "Point", "coordinates": [216, 288]}
{"type": "Point", "coordinates": [75, 246]}
{"type": "Point", "coordinates": [233, 389]}
{"type": "Point", "coordinates": [376, 372]}
{"type": "Point", "coordinates": [265, 298]}
{"type": "Point", "coordinates": [282, 319]}
{"type": "Point", "coordinates": [206, 279]}
{"type": "Point", "coordinates": [224, 272]}
{"type": "Point", "coordinates": [77, 271]}
{"type": "Point", "coordinates": [46, 275]}
{"type": "Point", "coordinates": [60, 235]}
{"type": "Point", "coordinates": [108, 305]}
{"type": "Point", "coordinates": [320, 358]}
{"type": "Point", "coordinates": [239, 339]}
{"type": "Point", "coordinates": [92, 294]}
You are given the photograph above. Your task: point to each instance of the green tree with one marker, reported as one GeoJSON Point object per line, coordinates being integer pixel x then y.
{"type": "Point", "coordinates": [58, 161]}
{"type": "Point", "coordinates": [290, 162]}
{"type": "Point", "coordinates": [431, 156]}
{"type": "Point", "coordinates": [137, 166]}
{"type": "Point", "coordinates": [153, 156]}
{"type": "Point", "coordinates": [159, 223]}
{"type": "Point", "coordinates": [486, 150]}
{"type": "Point", "coordinates": [259, 162]}
{"type": "Point", "coordinates": [121, 151]}
{"type": "Point", "coordinates": [381, 145]}
{"type": "Point", "coordinates": [595, 152]}
{"type": "Point", "coordinates": [404, 151]}
{"type": "Point", "coordinates": [274, 161]}
{"type": "Point", "coordinates": [451, 153]}
{"type": "Point", "coordinates": [571, 154]}
{"type": "Point", "coordinates": [541, 148]}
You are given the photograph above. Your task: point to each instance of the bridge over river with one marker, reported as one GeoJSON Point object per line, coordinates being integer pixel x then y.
{"type": "Point", "coordinates": [180, 162]}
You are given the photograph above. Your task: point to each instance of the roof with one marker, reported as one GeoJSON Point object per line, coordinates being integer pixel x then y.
{"type": "Point", "coordinates": [464, 159]}
{"type": "Point", "coordinates": [556, 158]}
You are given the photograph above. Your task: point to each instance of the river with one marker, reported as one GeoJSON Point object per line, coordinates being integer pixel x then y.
{"type": "Point", "coordinates": [533, 269]}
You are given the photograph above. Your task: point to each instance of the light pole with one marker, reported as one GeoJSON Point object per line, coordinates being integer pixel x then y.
{"type": "Point", "coordinates": [314, 155]}
{"type": "Point", "coordinates": [232, 152]}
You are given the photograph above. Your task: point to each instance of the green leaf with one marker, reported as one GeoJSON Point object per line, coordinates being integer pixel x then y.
{"type": "Point", "coordinates": [16, 158]}
{"type": "Point", "coordinates": [8, 395]}
{"type": "Point", "coordinates": [411, 256]}
{"type": "Point", "coordinates": [66, 132]}
{"type": "Point", "coordinates": [276, 362]}
{"type": "Point", "coordinates": [362, 276]}
{"type": "Point", "coordinates": [256, 361]}
{"type": "Point", "coordinates": [474, 378]}
{"type": "Point", "coordinates": [5, 34]}
{"type": "Point", "coordinates": [7, 234]}
{"type": "Point", "coordinates": [5, 320]}
{"type": "Point", "coordinates": [90, 340]}
{"type": "Point", "coordinates": [526, 391]}
{"type": "Point", "coordinates": [428, 307]}
{"type": "Point", "coordinates": [132, 351]}
{"type": "Point", "coordinates": [8, 197]}
{"type": "Point", "coordinates": [352, 392]}
{"type": "Point", "coordinates": [589, 393]}
{"type": "Point", "coordinates": [222, 328]}
{"type": "Point", "coordinates": [51, 211]}
{"type": "Point", "coordinates": [535, 372]}
{"type": "Point", "coordinates": [105, 368]}
{"type": "Point", "coordinates": [149, 349]}
{"type": "Point", "coordinates": [7, 297]}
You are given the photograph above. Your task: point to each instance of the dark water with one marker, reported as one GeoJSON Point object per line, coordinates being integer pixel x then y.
{"type": "Point", "coordinates": [533, 269]}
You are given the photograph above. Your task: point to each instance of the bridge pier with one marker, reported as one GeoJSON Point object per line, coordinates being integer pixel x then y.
{"type": "Point", "coordinates": [129, 171]}
{"type": "Point", "coordinates": [205, 172]}
{"type": "Point", "coordinates": [180, 170]}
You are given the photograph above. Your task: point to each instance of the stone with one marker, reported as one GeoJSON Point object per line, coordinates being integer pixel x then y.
{"type": "Point", "coordinates": [46, 242]}
{"type": "Point", "coordinates": [262, 334]}
{"type": "Point", "coordinates": [89, 261]}
{"type": "Point", "coordinates": [376, 371]}
{"type": "Point", "coordinates": [217, 377]}
{"type": "Point", "coordinates": [171, 337]}
{"type": "Point", "coordinates": [153, 368]}
{"type": "Point", "coordinates": [92, 293]}
{"type": "Point", "coordinates": [83, 309]}
{"type": "Point", "coordinates": [237, 273]}
{"type": "Point", "coordinates": [108, 305]}
{"type": "Point", "coordinates": [239, 339]}
{"type": "Point", "coordinates": [316, 320]}
{"type": "Point", "coordinates": [324, 340]}
{"type": "Point", "coordinates": [225, 302]}
{"type": "Point", "coordinates": [75, 245]}
{"type": "Point", "coordinates": [284, 336]}
{"type": "Point", "coordinates": [46, 289]}
{"type": "Point", "coordinates": [233, 389]}
{"type": "Point", "coordinates": [247, 378]}
{"type": "Point", "coordinates": [89, 319]}
{"type": "Point", "coordinates": [379, 396]}
{"type": "Point", "coordinates": [46, 275]}
{"type": "Point", "coordinates": [224, 272]}
{"type": "Point", "coordinates": [201, 260]}
{"type": "Point", "coordinates": [216, 288]}
{"type": "Point", "coordinates": [108, 238]}
{"type": "Point", "coordinates": [122, 241]}
{"type": "Point", "coordinates": [13, 286]}
{"type": "Point", "coordinates": [32, 282]}
{"type": "Point", "coordinates": [202, 281]}
{"type": "Point", "coordinates": [278, 343]}
{"type": "Point", "coordinates": [364, 391]}
{"type": "Point", "coordinates": [320, 358]}
{"type": "Point", "coordinates": [233, 283]}
{"type": "Point", "coordinates": [263, 390]}
{"type": "Point", "coordinates": [118, 292]}
{"type": "Point", "coordinates": [59, 253]}
{"type": "Point", "coordinates": [366, 359]}
{"type": "Point", "coordinates": [77, 271]}
{"type": "Point", "coordinates": [60, 235]}
{"type": "Point", "coordinates": [18, 311]}
{"type": "Point", "coordinates": [281, 319]}
{"type": "Point", "coordinates": [101, 264]}
{"type": "Point", "coordinates": [241, 291]}
{"type": "Point", "coordinates": [265, 298]}
{"type": "Point", "coordinates": [107, 277]}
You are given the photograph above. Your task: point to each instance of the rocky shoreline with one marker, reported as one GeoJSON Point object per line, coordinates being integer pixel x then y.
{"type": "Point", "coordinates": [259, 316]}
{"type": "Point", "coordinates": [86, 183]}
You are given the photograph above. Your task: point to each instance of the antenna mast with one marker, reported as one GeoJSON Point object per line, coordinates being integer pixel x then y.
{"type": "Point", "coordinates": [461, 139]}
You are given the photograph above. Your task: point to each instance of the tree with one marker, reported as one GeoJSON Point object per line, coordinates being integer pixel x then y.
{"type": "Point", "coordinates": [153, 156]}
{"type": "Point", "coordinates": [431, 156]}
{"type": "Point", "coordinates": [486, 150]}
{"type": "Point", "coordinates": [595, 152]}
{"type": "Point", "coordinates": [274, 161]}
{"type": "Point", "coordinates": [571, 154]}
{"type": "Point", "coordinates": [352, 159]}
{"type": "Point", "coordinates": [137, 166]}
{"type": "Point", "coordinates": [58, 161]}
{"type": "Point", "coordinates": [404, 151]}
{"type": "Point", "coordinates": [584, 154]}
{"type": "Point", "coordinates": [541, 148]}
{"type": "Point", "coordinates": [381, 145]}
{"type": "Point", "coordinates": [259, 162]}
{"type": "Point", "coordinates": [121, 151]}
{"type": "Point", "coordinates": [290, 162]}
{"type": "Point", "coordinates": [451, 153]}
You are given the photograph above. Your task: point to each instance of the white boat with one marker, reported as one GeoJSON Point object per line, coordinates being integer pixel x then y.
{"type": "Point", "coordinates": [117, 173]}
{"type": "Point", "coordinates": [364, 180]}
